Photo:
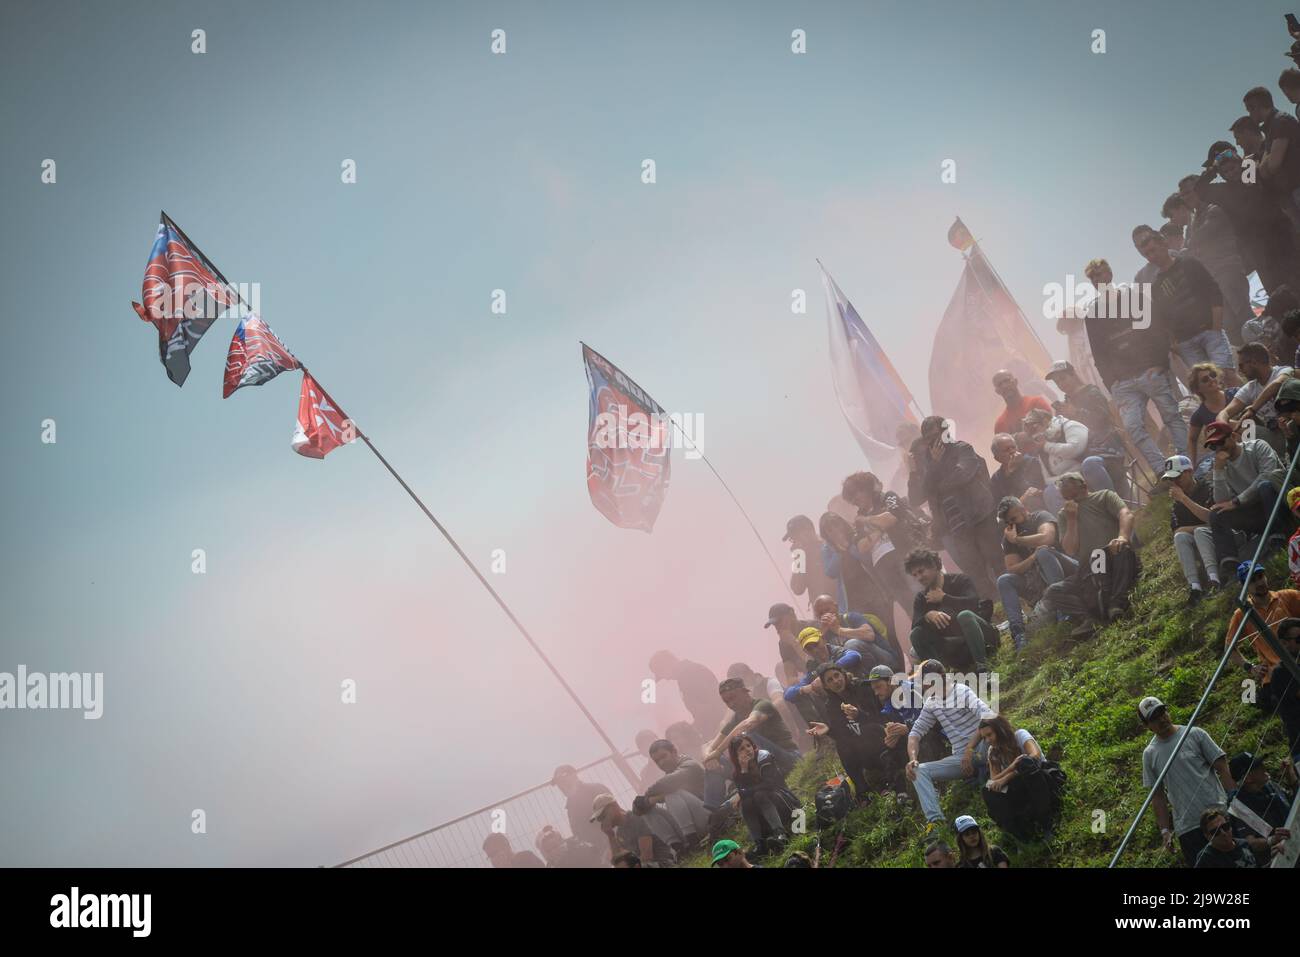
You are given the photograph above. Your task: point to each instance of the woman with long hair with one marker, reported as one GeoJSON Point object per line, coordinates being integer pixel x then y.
{"type": "Point", "coordinates": [1206, 382]}
{"type": "Point", "coordinates": [854, 723]}
{"type": "Point", "coordinates": [766, 804]}
{"type": "Point", "coordinates": [974, 849]}
{"type": "Point", "coordinates": [1019, 792]}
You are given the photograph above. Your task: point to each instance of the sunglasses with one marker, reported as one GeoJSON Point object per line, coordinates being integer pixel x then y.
{"type": "Point", "coordinates": [1219, 830]}
{"type": "Point", "coordinates": [1215, 445]}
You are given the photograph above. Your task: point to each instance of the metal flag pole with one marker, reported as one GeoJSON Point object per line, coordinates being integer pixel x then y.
{"type": "Point", "coordinates": [619, 761]}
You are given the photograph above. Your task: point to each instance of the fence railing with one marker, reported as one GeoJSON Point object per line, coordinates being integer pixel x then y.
{"type": "Point", "coordinates": [459, 842]}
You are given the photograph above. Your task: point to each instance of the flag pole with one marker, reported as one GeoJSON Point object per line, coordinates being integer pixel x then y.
{"type": "Point", "coordinates": [619, 761]}
{"type": "Point", "coordinates": [763, 545]}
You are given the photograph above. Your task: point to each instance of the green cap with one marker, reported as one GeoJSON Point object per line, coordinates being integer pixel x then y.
{"type": "Point", "coordinates": [722, 849]}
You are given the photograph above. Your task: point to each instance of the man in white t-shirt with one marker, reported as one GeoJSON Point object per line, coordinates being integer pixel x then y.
{"type": "Point", "coordinates": [1255, 397]}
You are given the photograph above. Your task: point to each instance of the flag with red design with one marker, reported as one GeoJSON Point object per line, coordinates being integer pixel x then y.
{"type": "Point", "coordinates": [627, 446]}
{"type": "Point", "coordinates": [181, 293]}
{"type": "Point", "coordinates": [256, 356]}
{"type": "Point", "coordinates": [322, 425]}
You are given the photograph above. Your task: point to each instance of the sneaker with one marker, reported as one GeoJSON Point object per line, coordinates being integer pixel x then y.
{"type": "Point", "coordinates": [1215, 584]}
{"type": "Point", "coordinates": [1194, 595]}
{"type": "Point", "coordinates": [1018, 638]}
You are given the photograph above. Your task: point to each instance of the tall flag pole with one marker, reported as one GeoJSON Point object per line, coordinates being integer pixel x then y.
{"type": "Point", "coordinates": [628, 452]}
{"type": "Point", "coordinates": [871, 394]}
{"type": "Point", "coordinates": [323, 426]}
{"type": "Point", "coordinates": [983, 330]}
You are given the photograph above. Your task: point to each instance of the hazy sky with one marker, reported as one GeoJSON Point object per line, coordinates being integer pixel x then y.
{"type": "Point", "coordinates": [477, 172]}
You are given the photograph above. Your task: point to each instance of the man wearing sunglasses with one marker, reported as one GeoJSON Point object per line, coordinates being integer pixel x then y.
{"type": "Point", "coordinates": [1224, 849]}
{"type": "Point", "coordinates": [1247, 478]}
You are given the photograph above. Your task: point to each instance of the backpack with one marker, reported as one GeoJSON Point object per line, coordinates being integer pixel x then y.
{"type": "Point", "coordinates": [832, 802]}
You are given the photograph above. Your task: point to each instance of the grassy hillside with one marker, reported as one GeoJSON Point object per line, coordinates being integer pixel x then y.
{"type": "Point", "coordinates": [1079, 698]}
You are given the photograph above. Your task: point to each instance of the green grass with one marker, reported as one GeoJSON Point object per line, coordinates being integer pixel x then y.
{"type": "Point", "coordinates": [1079, 699]}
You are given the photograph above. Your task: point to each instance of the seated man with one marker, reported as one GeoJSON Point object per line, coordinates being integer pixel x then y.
{"type": "Point", "coordinates": [1247, 480]}
{"type": "Point", "coordinates": [1224, 849]}
{"type": "Point", "coordinates": [758, 719]}
{"type": "Point", "coordinates": [900, 705]}
{"type": "Point", "coordinates": [1189, 518]}
{"type": "Point", "coordinates": [1061, 444]}
{"type": "Point", "coordinates": [1033, 563]}
{"type": "Point", "coordinates": [1097, 532]}
{"type": "Point", "coordinates": [566, 852]}
{"type": "Point", "coordinates": [648, 836]}
{"type": "Point", "coordinates": [1017, 474]}
{"type": "Point", "coordinates": [1256, 790]}
{"type": "Point", "coordinates": [863, 633]}
{"type": "Point", "coordinates": [948, 614]}
{"type": "Point", "coordinates": [498, 850]}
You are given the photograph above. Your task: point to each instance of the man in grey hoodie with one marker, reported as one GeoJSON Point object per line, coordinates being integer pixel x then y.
{"type": "Point", "coordinates": [1247, 480]}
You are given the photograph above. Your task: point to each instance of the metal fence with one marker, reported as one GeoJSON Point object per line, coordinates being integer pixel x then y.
{"type": "Point", "coordinates": [459, 842]}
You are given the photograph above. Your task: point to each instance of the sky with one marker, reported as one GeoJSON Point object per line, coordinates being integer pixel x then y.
{"type": "Point", "coordinates": [477, 172]}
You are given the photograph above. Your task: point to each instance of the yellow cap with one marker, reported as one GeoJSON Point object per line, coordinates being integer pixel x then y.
{"type": "Point", "coordinates": [1292, 497]}
{"type": "Point", "coordinates": [808, 636]}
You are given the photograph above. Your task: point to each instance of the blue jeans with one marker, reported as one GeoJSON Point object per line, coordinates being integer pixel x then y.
{"type": "Point", "coordinates": [1207, 346]}
{"type": "Point", "coordinates": [945, 769]}
{"type": "Point", "coordinates": [1053, 566]}
{"type": "Point", "coordinates": [1131, 397]}
{"type": "Point", "coordinates": [1093, 470]}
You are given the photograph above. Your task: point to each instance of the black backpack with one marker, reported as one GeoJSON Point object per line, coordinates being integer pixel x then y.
{"type": "Point", "coordinates": [832, 802]}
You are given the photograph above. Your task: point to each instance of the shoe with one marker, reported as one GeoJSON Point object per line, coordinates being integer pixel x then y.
{"type": "Point", "coordinates": [1194, 595]}
{"type": "Point", "coordinates": [1215, 585]}
{"type": "Point", "coordinates": [1115, 613]}
{"type": "Point", "coordinates": [1018, 639]}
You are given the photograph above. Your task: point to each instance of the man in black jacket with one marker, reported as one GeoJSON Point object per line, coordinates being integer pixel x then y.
{"type": "Point", "coordinates": [948, 613]}
{"type": "Point", "coordinates": [955, 483]}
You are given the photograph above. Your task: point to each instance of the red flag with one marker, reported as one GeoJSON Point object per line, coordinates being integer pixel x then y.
{"type": "Point", "coordinates": [322, 426]}
{"type": "Point", "coordinates": [256, 356]}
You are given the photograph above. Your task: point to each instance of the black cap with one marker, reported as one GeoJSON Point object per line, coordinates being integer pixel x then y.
{"type": "Point", "coordinates": [777, 611]}
{"type": "Point", "coordinates": [1218, 147]}
{"type": "Point", "coordinates": [799, 521]}
{"type": "Point", "coordinates": [1241, 764]}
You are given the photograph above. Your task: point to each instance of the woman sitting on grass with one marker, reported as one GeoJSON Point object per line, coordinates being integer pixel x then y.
{"type": "Point", "coordinates": [973, 848]}
{"type": "Point", "coordinates": [1019, 793]}
{"type": "Point", "coordinates": [765, 802]}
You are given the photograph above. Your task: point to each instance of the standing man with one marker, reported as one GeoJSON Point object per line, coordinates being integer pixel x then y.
{"type": "Point", "coordinates": [1008, 387]}
{"type": "Point", "coordinates": [1133, 360]}
{"type": "Point", "coordinates": [1198, 778]}
{"type": "Point", "coordinates": [696, 683]}
{"type": "Point", "coordinates": [1211, 242]}
{"type": "Point", "coordinates": [1186, 304]}
{"type": "Point", "coordinates": [956, 484]}
{"type": "Point", "coordinates": [1279, 169]}
{"type": "Point", "coordinates": [807, 577]}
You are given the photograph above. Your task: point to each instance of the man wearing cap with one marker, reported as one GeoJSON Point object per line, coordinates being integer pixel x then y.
{"type": "Point", "coordinates": [647, 835]}
{"type": "Point", "coordinates": [567, 852]}
{"type": "Point", "coordinates": [697, 685]}
{"type": "Point", "coordinates": [1198, 778]}
{"type": "Point", "coordinates": [788, 624]}
{"type": "Point", "coordinates": [807, 577]}
{"type": "Point", "coordinates": [1061, 445]}
{"type": "Point", "coordinates": [957, 709]}
{"type": "Point", "coordinates": [728, 854]}
{"type": "Point", "coordinates": [1186, 303]}
{"type": "Point", "coordinates": [1097, 532]}
{"type": "Point", "coordinates": [900, 705]}
{"type": "Point", "coordinates": [1246, 480]}
{"type": "Point", "coordinates": [1189, 518]}
{"type": "Point", "coordinates": [1287, 405]}
{"type": "Point", "coordinates": [1256, 791]}
{"type": "Point", "coordinates": [758, 719]}
{"type": "Point", "coordinates": [1264, 234]}
{"type": "Point", "coordinates": [819, 651]}
{"type": "Point", "coordinates": [578, 795]}
{"type": "Point", "coordinates": [1254, 399]}
{"type": "Point", "coordinates": [1033, 563]}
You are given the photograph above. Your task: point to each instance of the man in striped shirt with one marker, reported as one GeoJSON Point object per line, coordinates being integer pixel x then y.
{"type": "Point", "coordinates": [958, 711]}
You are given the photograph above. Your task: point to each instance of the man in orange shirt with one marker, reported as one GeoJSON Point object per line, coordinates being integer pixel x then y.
{"type": "Point", "coordinates": [1010, 421]}
{"type": "Point", "coordinates": [1272, 606]}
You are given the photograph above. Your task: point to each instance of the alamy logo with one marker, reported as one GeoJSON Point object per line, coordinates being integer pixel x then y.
{"type": "Point", "coordinates": [616, 429]}
{"type": "Point", "coordinates": [76, 691]}
{"type": "Point", "coordinates": [1127, 301]}
{"type": "Point", "coordinates": [102, 910]}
